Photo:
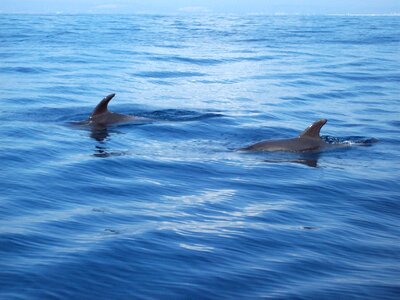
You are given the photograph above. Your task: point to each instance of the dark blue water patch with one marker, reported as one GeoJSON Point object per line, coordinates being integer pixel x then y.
{"type": "Point", "coordinates": [333, 95]}
{"type": "Point", "coordinates": [351, 76]}
{"type": "Point", "coordinates": [373, 87]}
{"type": "Point", "coordinates": [17, 38]}
{"type": "Point", "coordinates": [73, 59]}
{"type": "Point", "coordinates": [123, 28]}
{"type": "Point", "coordinates": [297, 53]}
{"type": "Point", "coordinates": [395, 124]}
{"type": "Point", "coordinates": [294, 76]}
{"type": "Point", "coordinates": [168, 74]}
{"type": "Point", "coordinates": [255, 40]}
{"type": "Point", "coordinates": [7, 55]}
{"type": "Point", "coordinates": [171, 46]}
{"type": "Point", "coordinates": [100, 74]}
{"type": "Point", "coordinates": [377, 110]}
{"type": "Point", "coordinates": [295, 99]}
{"type": "Point", "coordinates": [365, 92]}
{"type": "Point", "coordinates": [73, 89]}
{"type": "Point", "coordinates": [256, 58]}
{"type": "Point", "coordinates": [218, 81]}
{"type": "Point", "coordinates": [361, 76]}
{"type": "Point", "coordinates": [64, 33]}
{"type": "Point", "coordinates": [128, 52]}
{"type": "Point", "coordinates": [362, 63]}
{"type": "Point", "coordinates": [384, 206]}
{"type": "Point", "coordinates": [13, 102]}
{"type": "Point", "coordinates": [162, 82]}
{"type": "Point", "coordinates": [24, 70]}
{"type": "Point", "coordinates": [188, 60]}
{"type": "Point", "coordinates": [52, 115]}
{"type": "Point", "coordinates": [179, 115]}
{"type": "Point", "coordinates": [301, 82]}
{"type": "Point", "coordinates": [375, 40]}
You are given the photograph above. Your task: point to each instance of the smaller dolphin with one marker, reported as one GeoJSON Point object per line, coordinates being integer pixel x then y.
{"type": "Point", "coordinates": [308, 141]}
{"type": "Point", "coordinates": [102, 116]}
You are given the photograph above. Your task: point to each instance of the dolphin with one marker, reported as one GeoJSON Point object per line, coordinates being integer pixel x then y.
{"type": "Point", "coordinates": [308, 141]}
{"type": "Point", "coordinates": [102, 116]}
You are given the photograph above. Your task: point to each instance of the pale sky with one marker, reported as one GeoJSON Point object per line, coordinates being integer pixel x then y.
{"type": "Point", "coordinates": [205, 6]}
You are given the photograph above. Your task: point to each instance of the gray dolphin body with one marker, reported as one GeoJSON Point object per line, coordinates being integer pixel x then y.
{"type": "Point", "coordinates": [308, 141]}
{"type": "Point", "coordinates": [102, 116]}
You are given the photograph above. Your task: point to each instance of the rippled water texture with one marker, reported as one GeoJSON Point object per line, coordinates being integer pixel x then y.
{"type": "Point", "coordinates": [168, 209]}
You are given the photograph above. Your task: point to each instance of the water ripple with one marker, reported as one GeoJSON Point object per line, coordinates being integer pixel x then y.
{"type": "Point", "coordinates": [169, 208]}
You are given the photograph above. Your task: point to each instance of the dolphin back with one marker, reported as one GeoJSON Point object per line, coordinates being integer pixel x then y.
{"type": "Point", "coordinates": [308, 141]}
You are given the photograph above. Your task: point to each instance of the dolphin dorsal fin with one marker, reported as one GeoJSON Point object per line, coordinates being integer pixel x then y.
{"type": "Point", "coordinates": [102, 106]}
{"type": "Point", "coordinates": [313, 130]}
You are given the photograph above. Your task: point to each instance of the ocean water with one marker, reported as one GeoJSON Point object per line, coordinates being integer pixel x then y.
{"type": "Point", "coordinates": [168, 209]}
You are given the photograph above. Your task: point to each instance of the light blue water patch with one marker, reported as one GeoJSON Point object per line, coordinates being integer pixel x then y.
{"type": "Point", "coordinates": [169, 209]}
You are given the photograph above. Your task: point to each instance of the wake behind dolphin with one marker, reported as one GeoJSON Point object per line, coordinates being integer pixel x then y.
{"type": "Point", "coordinates": [101, 117]}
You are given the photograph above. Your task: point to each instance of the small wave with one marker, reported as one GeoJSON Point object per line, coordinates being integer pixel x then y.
{"type": "Point", "coordinates": [179, 115]}
{"type": "Point", "coordinates": [168, 74]}
{"type": "Point", "coordinates": [188, 60]}
{"type": "Point", "coordinates": [254, 40]}
{"type": "Point", "coordinates": [366, 41]}
{"type": "Point", "coordinates": [26, 70]}
{"type": "Point", "coordinates": [347, 76]}
{"type": "Point", "coordinates": [332, 95]}
{"type": "Point", "coordinates": [126, 52]}
{"type": "Point", "coordinates": [395, 123]}
{"type": "Point", "coordinates": [7, 55]}
{"type": "Point", "coordinates": [257, 58]}
{"type": "Point", "coordinates": [171, 46]}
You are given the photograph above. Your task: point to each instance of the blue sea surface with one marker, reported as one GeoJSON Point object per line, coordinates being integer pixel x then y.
{"type": "Point", "coordinates": [169, 209]}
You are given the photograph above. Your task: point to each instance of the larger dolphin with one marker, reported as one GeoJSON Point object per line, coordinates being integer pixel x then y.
{"type": "Point", "coordinates": [308, 141]}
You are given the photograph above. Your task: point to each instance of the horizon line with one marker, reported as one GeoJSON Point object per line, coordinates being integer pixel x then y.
{"type": "Point", "coordinates": [393, 14]}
